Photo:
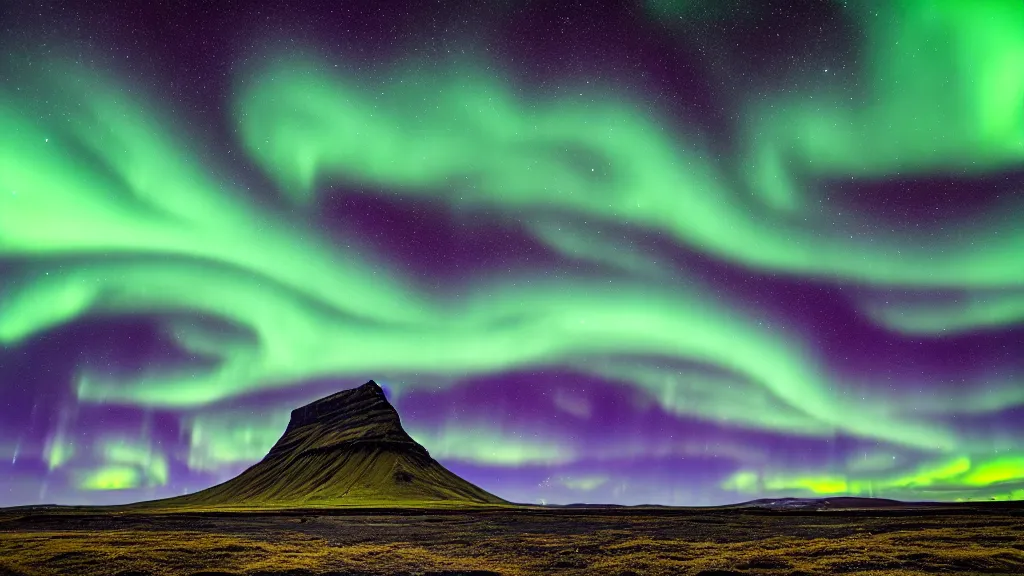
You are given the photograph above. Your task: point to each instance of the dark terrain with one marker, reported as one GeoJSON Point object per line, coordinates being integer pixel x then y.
{"type": "Point", "coordinates": [616, 541]}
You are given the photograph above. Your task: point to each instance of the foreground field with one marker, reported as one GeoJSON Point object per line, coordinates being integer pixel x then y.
{"type": "Point", "coordinates": [516, 542]}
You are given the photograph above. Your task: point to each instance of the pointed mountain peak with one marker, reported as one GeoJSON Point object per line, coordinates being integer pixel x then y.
{"type": "Point", "coordinates": [347, 448]}
{"type": "Point", "coordinates": [362, 402]}
{"type": "Point", "coordinates": [371, 388]}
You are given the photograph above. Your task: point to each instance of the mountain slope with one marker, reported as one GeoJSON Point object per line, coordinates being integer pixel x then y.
{"type": "Point", "coordinates": [346, 449]}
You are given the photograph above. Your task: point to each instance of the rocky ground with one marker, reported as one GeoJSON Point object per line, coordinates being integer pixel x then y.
{"type": "Point", "coordinates": [613, 541]}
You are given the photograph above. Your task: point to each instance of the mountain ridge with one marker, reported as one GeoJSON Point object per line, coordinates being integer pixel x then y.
{"type": "Point", "coordinates": [346, 449]}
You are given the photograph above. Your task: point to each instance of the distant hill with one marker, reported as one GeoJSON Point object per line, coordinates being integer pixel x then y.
{"type": "Point", "coordinates": [348, 449]}
{"type": "Point", "coordinates": [835, 503]}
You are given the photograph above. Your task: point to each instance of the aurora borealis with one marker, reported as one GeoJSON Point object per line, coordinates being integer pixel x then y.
{"type": "Point", "coordinates": [681, 253]}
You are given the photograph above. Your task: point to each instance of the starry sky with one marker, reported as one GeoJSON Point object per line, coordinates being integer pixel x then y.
{"type": "Point", "coordinates": [679, 252]}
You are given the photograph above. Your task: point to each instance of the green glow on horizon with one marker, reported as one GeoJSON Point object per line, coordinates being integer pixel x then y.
{"type": "Point", "coordinates": [114, 477]}
{"type": "Point", "coordinates": [982, 475]}
{"type": "Point", "coordinates": [813, 484]}
{"type": "Point", "coordinates": [744, 481]}
{"type": "Point", "coordinates": [122, 452]}
{"type": "Point", "coordinates": [1002, 469]}
{"type": "Point", "coordinates": [1013, 495]}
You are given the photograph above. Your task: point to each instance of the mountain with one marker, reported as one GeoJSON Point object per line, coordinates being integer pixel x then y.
{"type": "Point", "coordinates": [346, 449]}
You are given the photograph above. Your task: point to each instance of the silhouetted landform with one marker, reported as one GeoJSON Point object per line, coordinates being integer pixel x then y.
{"type": "Point", "coordinates": [348, 449]}
{"type": "Point", "coordinates": [837, 503]}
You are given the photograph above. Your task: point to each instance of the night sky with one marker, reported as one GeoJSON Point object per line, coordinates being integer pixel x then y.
{"type": "Point", "coordinates": [673, 252]}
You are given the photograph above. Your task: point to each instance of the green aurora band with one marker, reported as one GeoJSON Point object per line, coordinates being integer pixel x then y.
{"type": "Point", "coordinates": [309, 129]}
{"type": "Point", "coordinates": [969, 313]}
{"type": "Point", "coordinates": [943, 92]}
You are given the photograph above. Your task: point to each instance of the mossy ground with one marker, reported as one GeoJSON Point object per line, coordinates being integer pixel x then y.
{"type": "Point", "coordinates": [515, 542]}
